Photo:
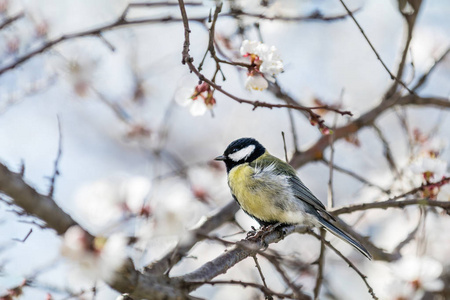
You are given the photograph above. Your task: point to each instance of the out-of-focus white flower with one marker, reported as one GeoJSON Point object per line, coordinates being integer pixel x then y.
{"type": "Point", "coordinates": [94, 259]}
{"type": "Point", "coordinates": [401, 291]}
{"type": "Point", "coordinates": [444, 193]}
{"type": "Point", "coordinates": [74, 243]}
{"type": "Point", "coordinates": [177, 212]}
{"type": "Point", "coordinates": [421, 272]}
{"type": "Point", "coordinates": [265, 62]}
{"type": "Point", "coordinates": [256, 82]}
{"type": "Point", "coordinates": [79, 71]}
{"type": "Point", "coordinates": [184, 98]}
{"type": "Point", "coordinates": [113, 255]}
{"type": "Point", "coordinates": [107, 200]}
{"type": "Point", "coordinates": [133, 192]}
{"type": "Point", "coordinates": [198, 99]}
{"type": "Point", "coordinates": [429, 167]}
{"type": "Point", "coordinates": [435, 145]}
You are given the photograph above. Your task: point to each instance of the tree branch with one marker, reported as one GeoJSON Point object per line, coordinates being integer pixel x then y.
{"type": "Point", "coordinates": [315, 152]}
{"type": "Point", "coordinates": [33, 203]}
{"type": "Point", "coordinates": [314, 16]}
{"type": "Point", "coordinates": [391, 204]}
{"type": "Point", "coordinates": [242, 250]}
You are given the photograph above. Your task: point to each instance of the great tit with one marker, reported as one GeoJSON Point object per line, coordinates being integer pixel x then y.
{"type": "Point", "coordinates": [269, 190]}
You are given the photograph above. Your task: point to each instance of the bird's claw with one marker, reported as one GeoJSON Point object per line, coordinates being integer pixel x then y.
{"type": "Point", "coordinates": [251, 234]}
{"type": "Point", "coordinates": [262, 232]}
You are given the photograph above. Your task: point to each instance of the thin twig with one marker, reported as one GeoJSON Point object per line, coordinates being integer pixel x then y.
{"type": "Point", "coordinates": [56, 164]}
{"type": "Point", "coordinates": [408, 238]}
{"type": "Point", "coordinates": [410, 21]}
{"type": "Point", "coordinates": [330, 198]}
{"type": "Point", "coordinates": [263, 279]}
{"type": "Point", "coordinates": [391, 204]}
{"type": "Point", "coordinates": [293, 131]}
{"type": "Point", "coordinates": [275, 262]}
{"type": "Point", "coordinates": [314, 16]}
{"type": "Point", "coordinates": [355, 176]}
{"type": "Point", "coordinates": [25, 238]}
{"type": "Point", "coordinates": [350, 264]}
{"type": "Point", "coordinates": [387, 150]}
{"type": "Point", "coordinates": [10, 20]}
{"type": "Point", "coordinates": [118, 110]}
{"type": "Point", "coordinates": [425, 76]}
{"type": "Point", "coordinates": [119, 23]}
{"type": "Point", "coordinates": [393, 77]}
{"type": "Point", "coordinates": [320, 266]}
{"type": "Point", "coordinates": [402, 116]}
{"type": "Point", "coordinates": [285, 148]}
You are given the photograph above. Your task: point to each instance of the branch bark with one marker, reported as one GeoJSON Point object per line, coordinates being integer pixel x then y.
{"type": "Point", "coordinates": [391, 204]}
{"type": "Point", "coordinates": [33, 203]}
{"type": "Point", "coordinates": [315, 152]}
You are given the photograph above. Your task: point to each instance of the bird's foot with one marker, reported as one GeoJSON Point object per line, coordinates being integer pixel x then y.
{"type": "Point", "coordinates": [262, 232]}
{"type": "Point", "coordinates": [252, 233]}
{"type": "Point", "coordinates": [271, 227]}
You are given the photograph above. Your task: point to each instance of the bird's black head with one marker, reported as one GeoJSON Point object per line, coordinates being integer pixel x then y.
{"type": "Point", "coordinates": [241, 151]}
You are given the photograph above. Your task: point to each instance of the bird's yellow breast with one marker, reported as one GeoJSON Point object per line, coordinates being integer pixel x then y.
{"type": "Point", "coordinates": [259, 197]}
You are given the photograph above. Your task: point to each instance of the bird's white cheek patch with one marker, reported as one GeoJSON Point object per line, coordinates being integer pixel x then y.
{"type": "Point", "coordinates": [242, 154]}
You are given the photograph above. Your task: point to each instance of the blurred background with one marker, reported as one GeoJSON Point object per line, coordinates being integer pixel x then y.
{"type": "Point", "coordinates": [111, 101]}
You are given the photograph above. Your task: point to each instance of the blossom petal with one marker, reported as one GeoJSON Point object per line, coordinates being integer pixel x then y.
{"type": "Point", "coordinates": [256, 82]}
{"type": "Point", "coordinates": [249, 47]}
{"type": "Point", "coordinates": [183, 96]}
{"type": "Point", "coordinates": [198, 108]}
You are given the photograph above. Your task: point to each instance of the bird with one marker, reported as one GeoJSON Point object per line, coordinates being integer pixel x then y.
{"type": "Point", "coordinates": [269, 190]}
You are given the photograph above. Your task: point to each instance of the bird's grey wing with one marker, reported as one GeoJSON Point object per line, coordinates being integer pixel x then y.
{"type": "Point", "coordinates": [303, 193]}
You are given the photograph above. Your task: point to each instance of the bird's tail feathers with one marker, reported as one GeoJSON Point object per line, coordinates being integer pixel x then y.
{"type": "Point", "coordinates": [345, 237]}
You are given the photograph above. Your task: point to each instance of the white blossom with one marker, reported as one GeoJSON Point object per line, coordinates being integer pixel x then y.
{"type": "Point", "coordinates": [271, 62]}
{"type": "Point", "coordinates": [196, 105]}
{"type": "Point", "coordinates": [433, 165]}
{"type": "Point", "coordinates": [74, 243]}
{"type": "Point", "coordinates": [422, 272]}
{"type": "Point", "coordinates": [107, 200]}
{"type": "Point", "coordinates": [256, 82]}
{"type": "Point", "coordinates": [444, 193]}
{"type": "Point", "coordinates": [250, 47]}
{"type": "Point", "coordinates": [401, 290]}
{"type": "Point", "coordinates": [266, 63]}
{"type": "Point", "coordinates": [94, 260]}
{"type": "Point", "coordinates": [435, 145]}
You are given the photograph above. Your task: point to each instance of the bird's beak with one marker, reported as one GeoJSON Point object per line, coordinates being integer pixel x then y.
{"type": "Point", "coordinates": [220, 157]}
